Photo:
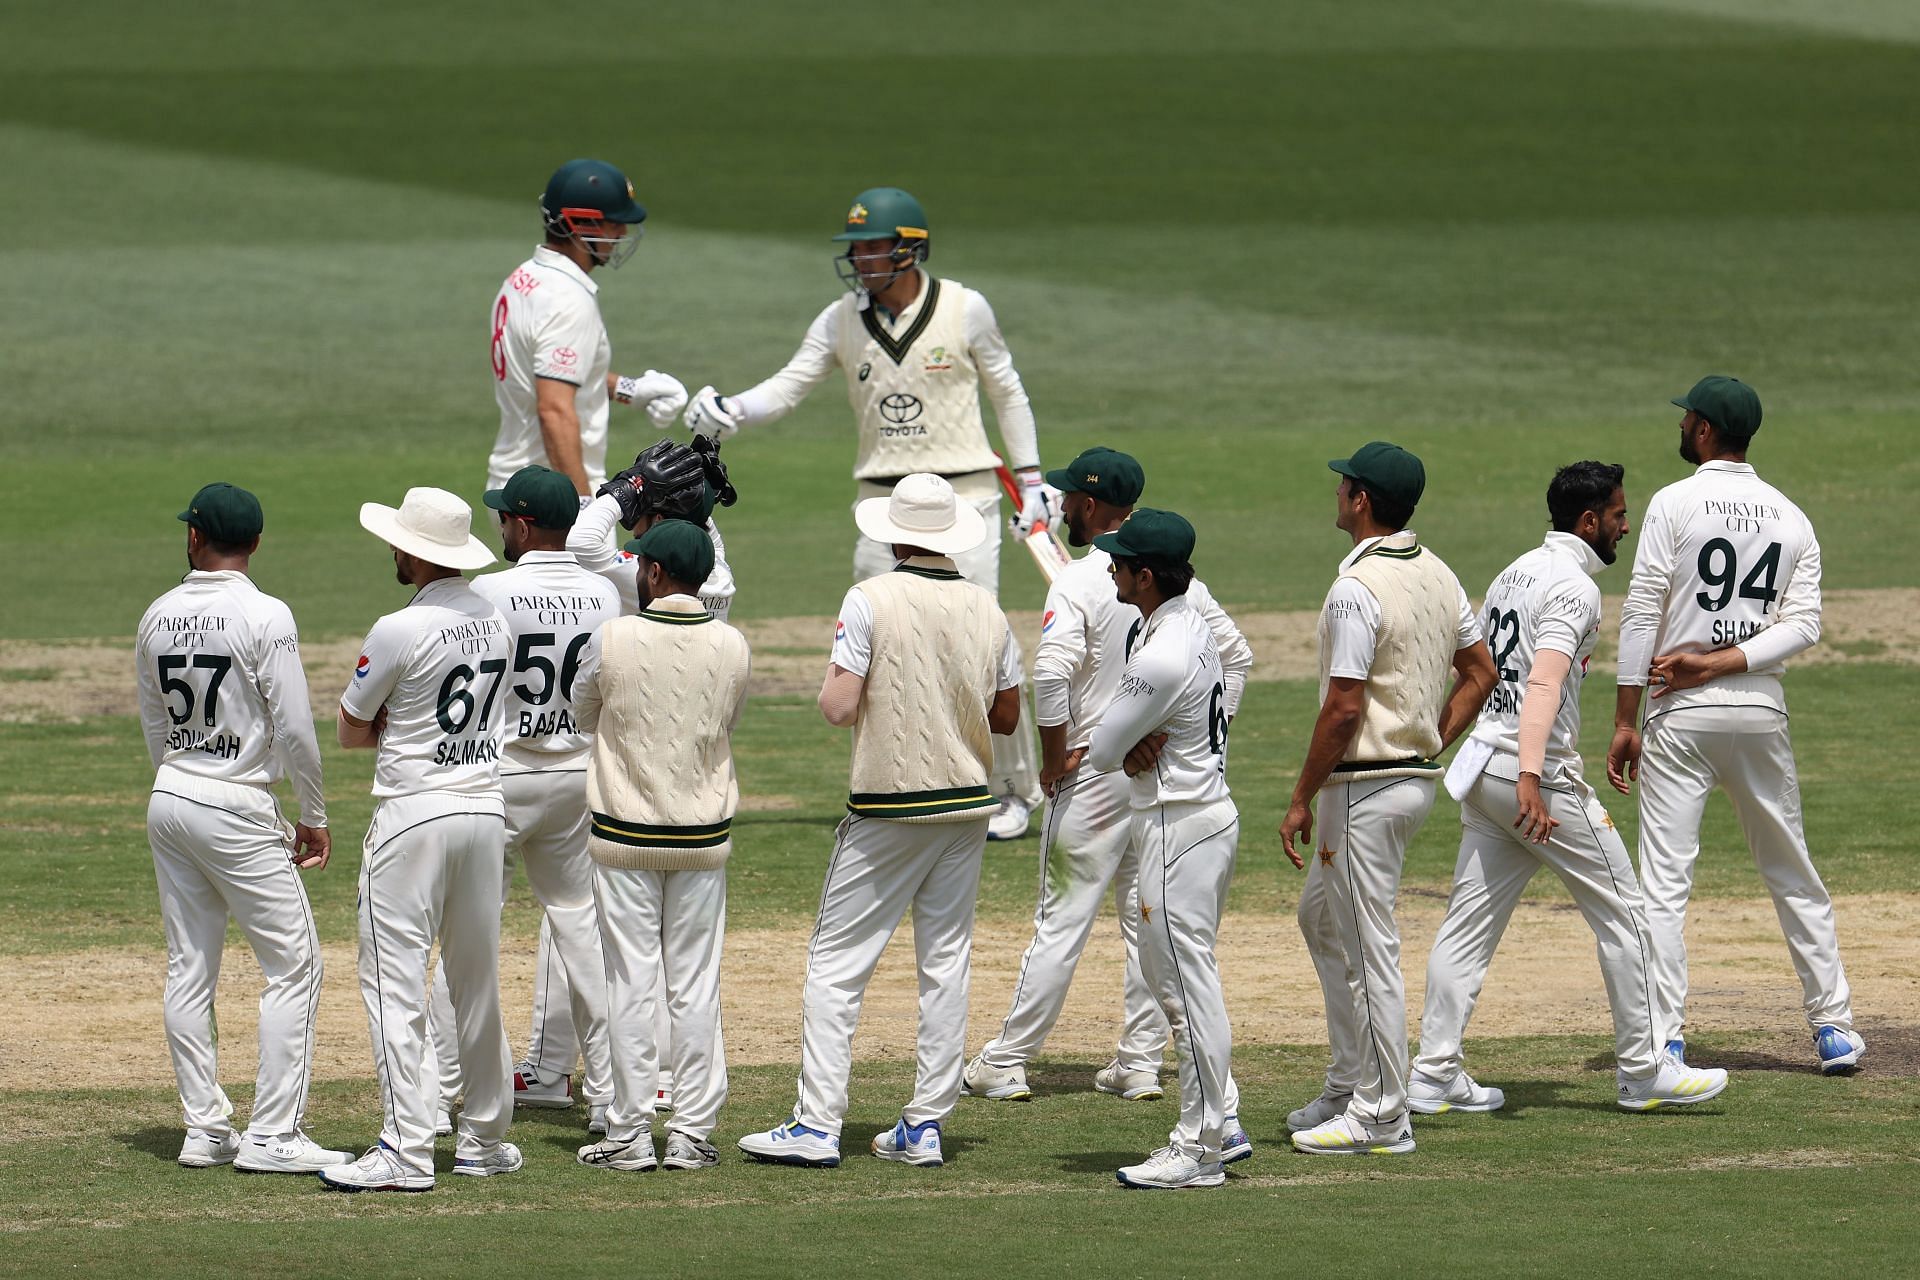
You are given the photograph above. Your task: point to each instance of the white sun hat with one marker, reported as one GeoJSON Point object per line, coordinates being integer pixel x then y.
{"type": "Point", "coordinates": [922, 511]}
{"type": "Point", "coordinates": [432, 524]}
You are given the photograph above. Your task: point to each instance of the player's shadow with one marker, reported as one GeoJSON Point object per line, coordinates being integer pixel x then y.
{"type": "Point", "coordinates": [1046, 1078]}
{"type": "Point", "coordinates": [1096, 1161]}
{"type": "Point", "coordinates": [1558, 1095]}
{"type": "Point", "coordinates": [162, 1142]}
{"type": "Point", "coordinates": [1734, 1060]}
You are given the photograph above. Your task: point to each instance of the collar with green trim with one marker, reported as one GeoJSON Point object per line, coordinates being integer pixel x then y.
{"type": "Point", "coordinates": [928, 567]}
{"type": "Point", "coordinates": [679, 610]}
{"type": "Point", "coordinates": [1405, 540]}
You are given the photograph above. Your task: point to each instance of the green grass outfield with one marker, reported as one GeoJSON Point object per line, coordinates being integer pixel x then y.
{"type": "Point", "coordinates": [255, 242]}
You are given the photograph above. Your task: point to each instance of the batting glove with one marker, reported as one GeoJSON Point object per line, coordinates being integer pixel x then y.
{"type": "Point", "coordinates": [662, 395]}
{"type": "Point", "coordinates": [710, 415]}
{"type": "Point", "coordinates": [1039, 503]}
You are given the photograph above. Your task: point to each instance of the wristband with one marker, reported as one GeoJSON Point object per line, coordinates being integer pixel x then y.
{"type": "Point", "coordinates": [624, 389]}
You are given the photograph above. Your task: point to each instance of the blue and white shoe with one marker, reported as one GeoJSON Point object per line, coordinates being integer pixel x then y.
{"type": "Point", "coordinates": [1235, 1145]}
{"type": "Point", "coordinates": [1840, 1051]}
{"type": "Point", "coordinates": [1677, 1050]}
{"type": "Point", "coordinates": [791, 1142]}
{"type": "Point", "coordinates": [501, 1157]}
{"type": "Point", "coordinates": [911, 1144]}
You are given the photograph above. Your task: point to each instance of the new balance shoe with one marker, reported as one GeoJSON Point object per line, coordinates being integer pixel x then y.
{"type": "Point", "coordinates": [1319, 1111]}
{"type": "Point", "coordinates": [531, 1089]}
{"type": "Point", "coordinates": [910, 1144]}
{"type": "Point", "coordinates": [1840, 1051]}
{"type": "Point", "coordinates": [291, 1153]}
{"type": "Point", "coordinates": [1010, 820]}
{"type": "Point", "coordinates": [791, 1142]}
{"type": "Point", "coordinates": [1002, 1084]}
{"type": "Point", "coordinates": [443, 1124]}
{"type": "Point", "coordinates": [597, 1118]}
{"type": "Point", "coordinates": [685, 1151]}
{"type": "Point", "coordinates": [1675, 1084]}
{"type": "Point", "coordinates": [378, 1170]}
{"type": "Point", "coordinates": [203, 1150]}
{"type": "Point", "coordinates": [1677, 1050]}
{"type": "Point", "coordinates": [1345, 1136]}
{"type": "Point", "coordinates": [1431, 1097]}
{"type": "Point", "coordinates": [1169, 1170]}
{"type": "Point", "coordinates": [1134, 1086]}
{"type": "Point", "coordinates": [629, 1157]}
{"type": "Point", "coordinates": [503, 1157]}
{"type": "Point", "coordinates": [1235, 1145]}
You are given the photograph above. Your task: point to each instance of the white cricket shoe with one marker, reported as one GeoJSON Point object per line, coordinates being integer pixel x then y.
{"type": "Point", "coordinates": [1235, 1145]}
{"type": "Point", "coordinates": [791, 1142]}
{"type": "Point", "coordinates": [1134, 1086]}
{"type": "Point", "coordinates": [292, 1153]}
{"type": "Point", "coordinates": [378, 1170]}
{"type": "Point", "coordinates": [684, 1151]}
{"type": "Point", "coordinates": [629, 1157]}
{"type": "Point", "coordinates": [911, 1144]}
{"type": "Point", "coordinates": [1319, 1111]}
{"type": "Point", "coordinates": [1169, 1170]}
{"type": "Point", "coordinates": [530, 1089]}
{"type": "Point", "coordinates": [597, 1118]}
{"type": "Point", "coordinates": [1009, 821]}
{"type": "Point", "coordinates": [1345, 1136]}
{"type": "Point", "coordinates": [203, 1150]}
{"type": "Point", "coordinates": [1431, 1097]}
{"type": "Point", "coordinates": [1002, 1084]}
{"type": "Point", "coordinates": [1675, 1084]}
{"type": "Point", "coordinates": [442, 1123]}
{"type": "Point", "coordinates": [504, 1157]}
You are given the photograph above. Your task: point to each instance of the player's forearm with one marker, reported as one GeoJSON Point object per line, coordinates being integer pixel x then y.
{"type": "Point", "coordinates": [1019, 435]}
{"type": "Point", "coordinates": [1333, 732]}
{"type": "Point", "coordinates": [592, 539]}
{"type": "Point", "coordinates": [839, 699]}
{"type": "Point", "coordinates": [1626, 706]}
{"type": "Point", "coordinates": [1542, 703]}
{"type": "Point", "coordinates": [1053, 747]}
{"type": "Point", "coordinates": [355, 735]}
{"type": "Point", "coordinates": [1474, 678]}
{"type": "Point", "coordinates": [560, 436]}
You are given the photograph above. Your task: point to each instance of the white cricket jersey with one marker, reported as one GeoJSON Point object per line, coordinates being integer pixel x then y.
{"type": "Point", "coordinates": [853, 636]}
{"type": "Point", "coordinates": [1083, 647]}
{"type": "Point", "coordinates": [1350, 618]}
{"type": "Point", "coordinates": [1547, 599]}
{"type": "Point", "coordinates": [439, 666]}
{"type": "Point", "coordinates": [596, 539]}
{"type": "Point", "coordinates": [546, 324]}
{"type": "Point", "coordinates": [552, 606]}
{"type": "Point", "coordinates": [1724, 559]}
{"type": "Point", "coordinates": [222, 693]}
{"type": "Point", "coordinates": [1172, 684]}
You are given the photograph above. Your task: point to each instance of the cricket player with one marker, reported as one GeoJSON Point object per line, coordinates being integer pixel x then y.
{"type": "Point", "coordinates": [426, 695]}
{"type": "Point", "coordinates": [1166, 727]}
{"type": "Point", "coordinates": [223, 703]}
{"type": "Point", "coordinates": [924, 670]}
{"type": "Point", "coordinates": [1726, 588]}
{"type": "Point", "coordinates": [1085, 843]}
{"type": "Point", "coordinates": [549, 350]}
{"type": "Point", "coordinates": [553, 606]}
{"type": "Point", "coordinates": [1394, 624]}
{"type": "Point", "coordinates": [917, 352]}
{"type": "Point", "coordinates": [1526, 804]}
{"type": "Point", "coordinates": [662, 693]}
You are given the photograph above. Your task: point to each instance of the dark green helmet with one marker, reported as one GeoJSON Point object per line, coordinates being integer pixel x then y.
{"type": "Point", "coordinates": [584, 192]}
{"type": "Point", "coordinates": [884, 213]}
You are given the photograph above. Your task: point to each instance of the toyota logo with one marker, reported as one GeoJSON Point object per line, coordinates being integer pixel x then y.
{"type": "Point", "coordinates": [900, 407]}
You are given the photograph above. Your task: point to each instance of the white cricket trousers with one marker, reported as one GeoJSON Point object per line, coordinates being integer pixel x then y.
{"type": "Point", "coordinates": [663, 927]}
{"type": "Point", "coordinates": [1492, 871]}
{"type": "Point", "coordinates": [1186, 864]}
{"type": "Point", "coordinates": [1346, 915]}
{"type": "Point", "coordinates": [547, 824]}
{"type": "Point", "coordinates": [1747, 751]}
{"type": "Point", "coordinates": [432, 871]}
{"type": "Point", "coordinates": [553, 1045]}
{"type": "Point", "coordinates": [221, 849]}
{"type": "Point", "coordinates": [1086, 847]}
{"type": "Point", "coordinates": [879, 870]}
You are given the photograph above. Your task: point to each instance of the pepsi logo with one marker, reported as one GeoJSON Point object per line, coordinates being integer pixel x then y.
{"type": "Point", "coordinates": [361, 668]}
{"type": "Point", "coordinates": [1046, 622]}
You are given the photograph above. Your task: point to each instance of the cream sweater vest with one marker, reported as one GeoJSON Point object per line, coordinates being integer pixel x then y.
{"type": "Point", "coordinates": [660, 782]}
{"type": "Point", "coordinates": [1407, 685]}
{"type": "Point", "coordinates": [921, 745]}
{"type": "Point", "coordinates": [914, 389]}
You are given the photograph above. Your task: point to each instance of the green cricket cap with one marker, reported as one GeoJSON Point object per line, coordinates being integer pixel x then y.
{"type": "Point", "coordinates": [1727, 403]}
{"type": "Point", "coordinates": [1387, 468]}
{"type": "Point", "coordinates": [1162, 537]}
{"type": "Point", "coordinates": [1107, 474]}
{"type": "Point", "coordinates": [225, 513]}
{"type": "Point", "coordinates": [545, 497]}
{"type": "Point", "coordinates": [682, 549]}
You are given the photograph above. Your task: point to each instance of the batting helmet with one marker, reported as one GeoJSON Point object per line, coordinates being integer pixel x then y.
{"type": "Point", "coordinates": [583, 194]}
{"type": "Point", "coordinates": [884, 213]}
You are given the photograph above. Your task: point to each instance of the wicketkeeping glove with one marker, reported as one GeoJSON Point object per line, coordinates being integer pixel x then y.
{"type": "Point", "coordinates": [662, 395]}
{"type": "Point", "coordinates": [710, 415]}
{"type": "Point", "coordinates": [1039, 503]}
{"type": "Point", "coordinates": [716, 471]}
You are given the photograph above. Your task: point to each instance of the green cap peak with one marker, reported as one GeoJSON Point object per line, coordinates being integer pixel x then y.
{"type": "Point", "coordinates": [225, 513]}
{"type": "Point", "coordinates": [1107, 474]}
{"type": "Point", "coordinates": [684, 550]}
{"type": "Point", "coordinates": [1162, 537]}
{"type": "Point", "coordinates": [545, 497]}
{"type": "Point", "coordinates": [1727, 403]}
{"type": "Point", "coordinates": [1386, 468]}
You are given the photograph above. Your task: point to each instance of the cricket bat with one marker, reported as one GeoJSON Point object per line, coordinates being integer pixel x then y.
{"type": "Point", "coordinates": [1050, 555]}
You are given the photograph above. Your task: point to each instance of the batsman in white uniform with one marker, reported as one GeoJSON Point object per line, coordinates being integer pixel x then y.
{"type": "Point", "coordinates": [1166, 728]}
{"type": "Point", "coordinates": [549, 351]}
{"type": "Point", "coordinates": [662, 693]}
{"type": "Point", "coordinates": [1526, 804]}
{"type": "Point", "coordinates": [916, 352]}
{"type": "Point", "coordinates": [223, 704]}
{"type": "Point", "coordinates": [1394, 627]}
{"type": "Point", "coordinates": [924, 671]}
{"type": "Point", "coordinates": [426, 694]}
{"type": "Point", "coordinates": [552, 606]}
{"type": "Point", "coordinates": [1726, 588]}
{"type": "Point", "coordinates": [1085, 845]}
